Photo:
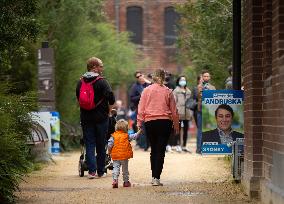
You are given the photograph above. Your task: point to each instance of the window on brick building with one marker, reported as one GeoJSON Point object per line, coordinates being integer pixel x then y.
{"type": "Point", "coordinates": [171, 18]}
{"type": "Point", "coordinates": [134, 23]}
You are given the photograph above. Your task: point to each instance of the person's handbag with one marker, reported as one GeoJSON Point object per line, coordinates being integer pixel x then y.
{"type": "Point", "coordinates": [191, 104]}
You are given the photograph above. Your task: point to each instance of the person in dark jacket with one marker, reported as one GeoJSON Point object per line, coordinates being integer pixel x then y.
{"type": "Point", "coordinates": [135, 94]}
{"type": "Point", "coordinates": [137, 88]}
{"type": "Point", "coordinates": [224, 133]}
{"type": "Point", "coordinates": [195, 97]}
{"type": "Point", "coordinates": [94, 122]}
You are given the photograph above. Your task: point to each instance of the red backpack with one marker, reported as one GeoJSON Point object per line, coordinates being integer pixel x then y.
{"type": "Point", "coordinates": [87, 95]}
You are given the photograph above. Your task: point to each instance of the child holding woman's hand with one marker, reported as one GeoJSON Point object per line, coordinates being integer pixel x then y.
{"type": "Point", "coordinates": [120, 150]}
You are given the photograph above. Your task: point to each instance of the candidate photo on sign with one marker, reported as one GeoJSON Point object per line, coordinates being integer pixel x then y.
{"type": "Point", "coordinates": [224, 133]}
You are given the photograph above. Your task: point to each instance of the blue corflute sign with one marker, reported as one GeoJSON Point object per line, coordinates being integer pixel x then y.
{"type": "Point", "coordinates": [222, 120]}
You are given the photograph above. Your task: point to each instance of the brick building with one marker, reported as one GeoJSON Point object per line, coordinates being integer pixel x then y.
{"type": "Point", "coordinates": [153, 26]}
{"type": "Point", "coordinates": [264, 99]}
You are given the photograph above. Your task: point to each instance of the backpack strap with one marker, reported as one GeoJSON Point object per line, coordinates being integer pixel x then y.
{"type": "Point", "coordinates": [96, 79]}
{"type": "Point", "coordinates": [92, 82]}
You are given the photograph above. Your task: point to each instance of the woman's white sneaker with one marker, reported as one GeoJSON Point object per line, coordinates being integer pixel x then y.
{"type": "Point", "coordinates": [156, 182]}
{"type": "Point", "coordinates": [178, 149]}
{"type": "Point", "coordinates": [169, 149]}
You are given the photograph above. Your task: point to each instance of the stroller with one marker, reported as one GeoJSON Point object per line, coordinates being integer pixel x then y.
{"type": "Point", "coordinates": [82, 166]}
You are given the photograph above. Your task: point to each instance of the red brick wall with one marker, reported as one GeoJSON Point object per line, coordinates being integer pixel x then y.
{"type": "Point", "coordinates": [253, 107]}
{"type": "Point", "coordinates": [267, 116]}
{"type": "Point", "coordinates": [153, 48]}
{"type": "Point", "coordinates": [263, 111]}
{"type": "Point", "coordinates": [153, 31]}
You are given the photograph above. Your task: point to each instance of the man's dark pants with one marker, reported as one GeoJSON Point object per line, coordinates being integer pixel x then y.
{"type": "Point", "coordinates": [199, 132]}
{"type": "Point", "coordinates": [143, 140]}
{"type": "Point", "coordinates": [94, 135]}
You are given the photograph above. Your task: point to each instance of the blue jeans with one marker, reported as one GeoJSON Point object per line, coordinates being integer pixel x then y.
{"type": "Point", "coordinates": [199, 131]}
{"type": "Point", "coordinates": [95, 140]}
{"type": "Point", "coordinates": [143, 141]}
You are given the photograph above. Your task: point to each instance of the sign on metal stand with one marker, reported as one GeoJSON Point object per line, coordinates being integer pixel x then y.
{"type": "Point", "coordinates": [46, 81]}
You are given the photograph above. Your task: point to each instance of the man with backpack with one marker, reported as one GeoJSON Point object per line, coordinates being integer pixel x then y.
{"type": "Point", "coordinates": [94, 95]}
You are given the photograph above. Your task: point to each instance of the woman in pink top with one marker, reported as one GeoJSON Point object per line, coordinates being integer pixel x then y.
{"type": "Point", "coordinates": [157, 108]}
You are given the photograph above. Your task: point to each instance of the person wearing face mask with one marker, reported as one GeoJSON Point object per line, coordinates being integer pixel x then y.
{"type": "Point", "coordinates": [181, 94]}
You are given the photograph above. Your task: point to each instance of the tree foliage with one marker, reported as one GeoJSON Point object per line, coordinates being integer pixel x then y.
{"type": "Point", "coordinates": [76, 30]}
{"type": "Point", "coordinates": [75, 38]}
{"type": "Point", "coordinates": [18, 31]}
{"type": "Point", "coordinates": [14, 130]}
{"type": "Point", "coordinates": [18, 26]}
{"type": "Point", "coordinates": [206, 36]}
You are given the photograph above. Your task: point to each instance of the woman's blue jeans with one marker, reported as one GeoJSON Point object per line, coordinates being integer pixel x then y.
{"type": "Point", "coordinates": [95, 140]}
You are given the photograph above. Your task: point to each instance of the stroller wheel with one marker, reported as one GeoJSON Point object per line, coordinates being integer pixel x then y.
{"type": "Point", "coordinates": [109, 163]}
{"type": "Point", "coordinates": [81, 168]}
{"type": "Point", "coordinates": [110, 167]}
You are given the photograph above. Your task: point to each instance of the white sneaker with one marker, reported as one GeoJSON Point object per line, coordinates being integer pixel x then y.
{"type": "Point", "coordinates": [152, 180]}
{"type": "Point", "coordinates": [169, 149]}
{"type": "Point", "coordinates": [156, 182]}
{"type": "Point", "coordinates": [185, 149]}
{"type": "Point", "coordinates": [102, 176]}
{"type": "Point", "coordinates": [178, 148]}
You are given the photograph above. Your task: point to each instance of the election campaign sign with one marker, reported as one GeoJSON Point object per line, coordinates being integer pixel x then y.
{"type": "Point", "coordinates": [222, 120]}
{"type": "Point", "coordinates": [215, 148]}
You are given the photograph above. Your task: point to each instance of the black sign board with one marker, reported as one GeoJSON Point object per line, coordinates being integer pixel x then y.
{"type": "Point", "coordinates": [46, 83]}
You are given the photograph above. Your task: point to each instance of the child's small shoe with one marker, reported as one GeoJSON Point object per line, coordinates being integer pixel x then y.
{"type": "Point", "coordinates": [115, 183]}
{"type": "Point", "coordinates": [126, 184]}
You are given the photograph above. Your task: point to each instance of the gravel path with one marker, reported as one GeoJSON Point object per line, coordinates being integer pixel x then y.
{"type": "Point", "coordinates": [187, 178]}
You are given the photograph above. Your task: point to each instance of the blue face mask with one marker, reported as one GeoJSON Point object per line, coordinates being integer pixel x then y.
{"type": "Point", "coordinates": [182, 83]}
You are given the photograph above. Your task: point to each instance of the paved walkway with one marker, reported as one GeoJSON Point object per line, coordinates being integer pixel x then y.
{"type": "Point", "coordinates": [187, 178]}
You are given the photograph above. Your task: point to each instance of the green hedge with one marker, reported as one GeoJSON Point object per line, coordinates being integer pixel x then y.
{"type": "Point", "coordinates": [14, 128]}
